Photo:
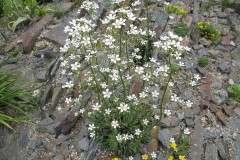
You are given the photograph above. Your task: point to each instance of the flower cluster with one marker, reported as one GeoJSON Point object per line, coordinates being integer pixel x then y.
{"type": "Point", "coordinates": [208, 31]}
{"type": "Point", "coordinates": [125, 94]}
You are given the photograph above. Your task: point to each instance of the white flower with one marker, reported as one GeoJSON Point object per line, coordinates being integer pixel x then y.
{"type": "Point", "coordinates": [142, 95]}
{"type": "Point", "coordinates": [68, 85]}
{"type": "Point", "coordinates": [115, 124]}
{"type": "Point", "coordinates": [131, 97]}
{"type": "Point", "coordinates": [92, 134]}
{"type": "Point", "coordinates": [91, 127]}
{"type": "Point", "coordinates": [107, 94]}
{"type": "Point", "coordinates": [154, 155]}
{"type": "Point", "coordinates": [104, 85]}
{"type": "Point", "coordinates": [145, 121]}
{"type": "Point", "coordinates": [181, 64]}
{"type": "Point", "coordinates": [82, 110]}
{"type": "Point", "coordinates": [75, 66]}
{"type": "Point", "coordinates": [114, 58]}
{"type": "Point", "coordinates": [139, 70]}
{"type": "Point", "coordinates": [157, 117]}
{"type": "Point", "coordinates": [119, 138]}
{"type": "Point", "coordinates": [36, 92]}
{"type": "Point", "coordinates": [137, 132]}
{"type": "Point", "coordinates": [96, 107]}
{"type": "Point", "coordinates": [193, 83]}
{"type": "Point", "coordinates": [188, 104]}
{"type": "Point", "coordinates": [174, 98]}
{"type": "Point", "coordinates": [155, 94]}
{"type": "Point", "coordinates": [146, 77]}
{"type": "Point", "coordinates": [68, 100]}
{"type": "Point", "coordinates": [114, 77]}
{"type": "Point", "coordinates": [186, 131]}
{"type": "Point", "coordinates": [197, 77]}
{"type": "Point", "coordinates": [123, 107]}
{"type": "Point", "coordinates": [108, 111]}
{"type": "Point", "coordinates": [172, 140]}
{"type": "Point", "coordinates": [130, 158]}
{"type": "Point", "coordinates": [119, 23]}
{"type": "Point", "coordinates": [167, 112]}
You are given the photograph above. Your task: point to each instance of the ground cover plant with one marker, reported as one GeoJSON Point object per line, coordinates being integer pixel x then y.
{"type": "Point", "coordinates": [15, 99]}
{"type": "Point", "coordinates": [208, 31]}
{"type": "Point", "coordinates": [181, 29]}
{"type": "Point", "coordinates": [21, 11]}
{"type": "Point", "coordinates": [203, 61]}
{"type": "Point", "coordinates": [121, 118]}
{"type": "Point", "coordinates": [234, 91]}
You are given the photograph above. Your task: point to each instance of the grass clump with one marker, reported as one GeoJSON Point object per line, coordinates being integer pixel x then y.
{"type": "Point", "coordinates": [203, 61]}
{"type": "Point", "coordinates": [172, 9]}
{"type": "Point", "coordinates": [234, 91]}
{"type": "Point", "coordinates": [181, 29]}
{"type": "Point", "coordinates": [208, 31]}
{"type": "Point", "coordinates": [225, 4]}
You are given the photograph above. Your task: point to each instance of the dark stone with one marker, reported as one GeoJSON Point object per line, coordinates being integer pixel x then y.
{"type": "Point", "coordinates": [202, 52]}
{"type": "Point", "coordinates": [83, 144]}
{"type": "Point", "coordinates": [202, 71]}
{"type": "Point", "coordinates": [9, 67]}
{"type": "Point", "coordinates": [46, 95]}
{"type": "Point", "coordinates": [46, 53]}
{"type": "Point", "coordinates": [165, 122]}
{"type": "Point", "coordinates": [32, 33]}
{"type": "Point", "coordinates": [196, 141]}
{"type": "Point", "coordinates": [224, 67]}
{"type": "Point", "coordinates": [13, 60]}
{"type": "Point", "coordinates": [189, 122]}
{"type": "Point", "coordinates": [213, 134]}
{"type": "Point", "coordinates": [164, 136]}
{"type": "Point", "coordinates": [211, 152]}
{"type": "Point", "coordinates": [46, 125]}
{"type": "Point", "coordinates": [61, 139]}
{"type": "Point", "coordinates": [92, 150]}
{"type": "Point", "coordinates": [189, 64]}
{"type": "Point", "coordinates": [41, 75]}
{"type": "Point", "coordinates": [221, 148]}
{"type": "Point", "coordinates": [54, 69]}
{"type": "Point", "coordinates": [57, 93]}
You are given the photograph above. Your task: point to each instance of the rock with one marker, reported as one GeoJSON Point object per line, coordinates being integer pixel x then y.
{"type": "Point", "coordinates": [228, 110]}
{"type": "Point", "coordinates": [205, 88]}
{"type": "Point", "coordinates": [186, 95]}
{"type": "Point", "coordinates": [164, 136]}
{"type": "Point", "coordinates": [41, 75]}
{"type": "Point", "coordinates": [165, 122]}
{"type": "Point", "coordinates": [211, 152]}
{"type": "Point", "coordinates": [46, 125]}
{"type": "Point", "coordinates": [213, 134]}
{"type": "Point", "coordinates": [58, 157]}
{"type": "Point", "coordinates": [61, 139]}
{"type": "Point", "coordinates": [213, 53]}
{"type": "Point", "coordinates": [189, 64]}
{"type": "Point", "coordinates": [221, 148]}
{"type": "Point", "coordinates": [152, 146]}
{"type": "Point", "coordinates": [224, 67]}
{"type": "Point", "coordinates": [188, 113]}
{"type": "Point", "coordinates": [92, 150]}
{"type": "Point", "coordinates": [46, 95]}
{"type": "Point", "coordinates": [64, 148]}
{"type": "Point", "coordinates": [32, 144]}
{"type": "Point", "coordinates": [232, 43]}
{"type": "Point", "coordinates": [32, 33]}
{"type": "Point", "coordinates": [180, 115]}
{"type": "Point", "coordinates": [175, 131]}
{"type": "Point", "coordinates": [221, 116]}
{"type": "Point", "coordinates": [189, 122]}
{"type": "Point", "coordinates": [223, 95]}
{"type": "Point", "coordinates": [221, 14]}
{"type": "Point", "coordinates": [56, 35]}
{"type": "Point", "coordinates": [9, 67]}
{"type": "Point", "coordinates": [57, 93]}
{"type": "Point", "coordinates": [13, 60]}
{"type": "Point", "coordinates": [46, 53]}
{"type": "Point", "coordinates": [202, 52]}
{"type": "Point", "coordinates": [174, 121]}
{"type": "Point", "coordinates": [65, 6]}
{"type": "Point", "coordinates": [237, 111]}
{"type": "Point", "coordinates": [226, 40]}
{"type": "Point", "coordinates": [54, 69]}
{"type": "Point", "coordinates": [196, 141]}
{"type": "Point", "coordinates": [205, 42]}
{"type": "Point", "coordinates": [201, 70]}
{"type": "Point", "coordinates": [83, 144]}
{"type": "Point", "coordinates": [160, 23]}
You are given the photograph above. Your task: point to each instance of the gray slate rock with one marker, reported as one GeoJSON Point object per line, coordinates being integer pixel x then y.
{"type": "Point", "coordinates": [221, 148]}
{"type": "Point", "coordinates": [224, 67]}
{"type": "Point", "coordinates": [202, 52]}
{"type": "Point", "coordinates": [211, 134]}
{"type": "Point", "coordinates": [57, 93]}
{"type": "Point", "coordinates": [41, 75]}
{"type": "Point", "coordinates": [211, 152]}
{"type": "Point", "coordinates": [61, 139]}
{"type": "Point", "coordinates": [189, 64]}
{"type": "Point", "coordinates": [83, 144]}
{"type": "Point", "coordinates": [92, 150]}
{"type": "Point", "coordinates": [237, 111]}
{"type": "Point", "coordinates": [189, 122]}
{"type": "Point", "coordinates": [46, 125]}
{"type": "Point", "coordinates": [164, 136]}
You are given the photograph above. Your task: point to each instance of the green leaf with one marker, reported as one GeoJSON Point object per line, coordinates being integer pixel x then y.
{"type": "Point", "coordinates": [18, 21]}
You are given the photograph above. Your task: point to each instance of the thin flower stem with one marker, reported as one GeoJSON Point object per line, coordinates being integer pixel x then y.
{"type": "Point", "coordinates": [165, 91]}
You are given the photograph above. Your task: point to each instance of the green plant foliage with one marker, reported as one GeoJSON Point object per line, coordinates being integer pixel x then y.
{"type": "Point", "coordinates": [203, 61]}
{"type": "Point", "coordinates": [172, 9]}
{"type": "Point", "coordinates": [208, 31]}
{"type": "Point", "coordinates": [234, 91]}
{"type": "Point", "coordinates": [181, 29]}
{"type": "Point", "coordinates": [225, 4]}
{"type": "Point", "coordinates": [183, 146]}
{"type": "Point", "coordinates": [130, 122]}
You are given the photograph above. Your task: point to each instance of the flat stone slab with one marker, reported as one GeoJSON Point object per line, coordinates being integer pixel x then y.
{"type": "Point", "coordinates": [57, 35]}
{"type": "Point", "coordinates": [32, 33]}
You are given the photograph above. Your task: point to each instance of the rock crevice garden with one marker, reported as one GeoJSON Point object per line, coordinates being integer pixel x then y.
{"type": "Point", "coordinates": [124, 79]}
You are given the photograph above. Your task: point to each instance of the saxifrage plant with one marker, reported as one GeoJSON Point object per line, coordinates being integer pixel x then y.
{"type": "Point", "coordinates": [120, 119]}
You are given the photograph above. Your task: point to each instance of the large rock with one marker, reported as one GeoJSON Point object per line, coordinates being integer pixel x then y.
{"type": "Point", "coordinates": [211, 152]}
{"type": "Point", "coordinates": [164, 136]}
{"type": "Point", "coordinates": [32, 33]}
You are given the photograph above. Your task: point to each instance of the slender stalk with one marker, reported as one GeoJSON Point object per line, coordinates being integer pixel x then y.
{"type": "Point", "coordinates": [146, 56]}
{"type": "Point", "coordinates": [165, 91]}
